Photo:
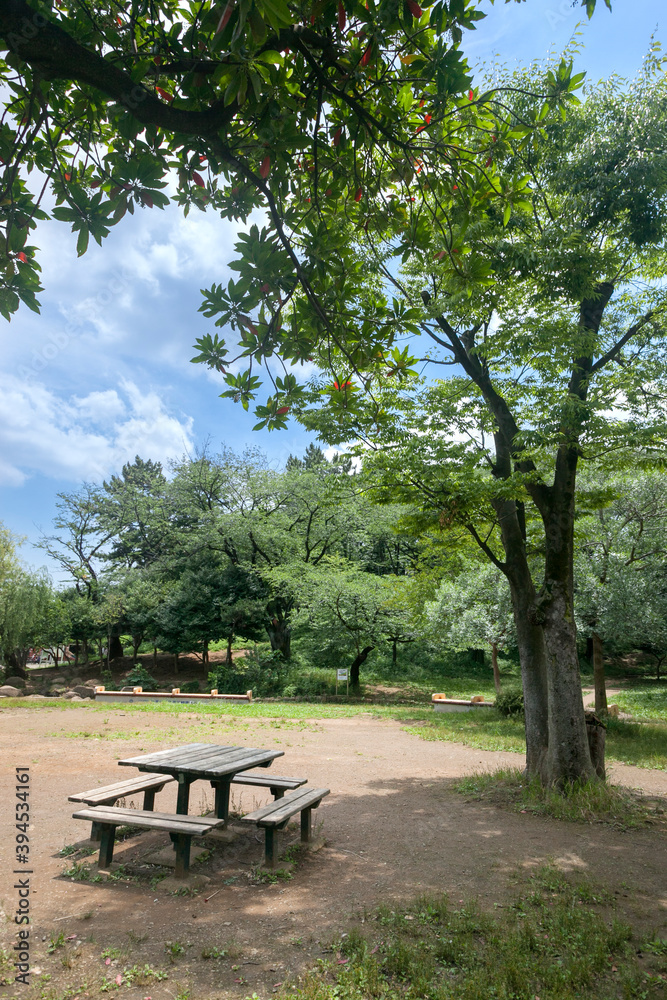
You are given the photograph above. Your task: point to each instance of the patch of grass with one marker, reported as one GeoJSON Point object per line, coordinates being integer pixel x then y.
{"type": "Point", "coordinates": [640, 744]}
{"type": "Point", "coordinates": [174, 949]}
{"type": "Point", "coordinates": [551, 942]}
{"type": "Point", "coordinates": [593, 802]}
{"type": "Point", "coordinates": [262, 876]}
{"type": "Point", "coordinates": [644, 702]}
{"type": "Point", "coordinates": [643, 744]}
{"type": "Point", "coordinates": [483, 731]}
{"type": "Point", "coordinates": [56, 941]}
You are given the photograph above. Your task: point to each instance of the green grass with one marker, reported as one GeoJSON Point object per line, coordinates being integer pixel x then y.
{"type": "Point", "coordinates": [594, 802]}
{"type": "Point", "coordinates": [643, 703]}
{"type": "Point", "coordinates": [551, 942]}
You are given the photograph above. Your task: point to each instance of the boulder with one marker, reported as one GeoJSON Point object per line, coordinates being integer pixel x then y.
{"type": "Point", "coordinates": [71, 695]}
{"type": "Point", "coordinates": [7, 691]}
{"type": "Point", "coordinates": [83, 691]}
{"type": "Point", "coordinates": [92, 682]}
{"type": "Point", "coordinates": [58, 680]}
{"type": "Point", "coordinates": [29, 689]}
{"type": "Point", "coordinates": [17, 682]}
{"type": "Point", "coordinates": [34, 697]}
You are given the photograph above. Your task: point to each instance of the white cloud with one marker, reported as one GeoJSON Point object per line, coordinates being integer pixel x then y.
{"type": "Point", "coordinates": [83, 437]}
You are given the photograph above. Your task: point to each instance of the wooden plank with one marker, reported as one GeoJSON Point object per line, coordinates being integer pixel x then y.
{"type": "Point", "coordinates": [210, 759]}
{"type": "Point", "coordinates": [193, 825]}
{"type": "Point", "coordinates": [139, 784]}
{"type": "Point", "coordinates": [244, 763]}
{"type": "Point", "coordinates": [282, 809]}
{"type": "Point", "coordinates": [149, 758]}
{"type": "Point", "coordinates": [268, 780]}
{"type": "Point", "coordinates": [192, 762]}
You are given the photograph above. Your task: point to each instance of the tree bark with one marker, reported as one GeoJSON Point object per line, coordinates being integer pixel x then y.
{"type": "Point", "coordinates": [494, 665]}
{"type": "Point", "coordinates": [115, 647]}
{"type": "Point", "coordinates": [394, 653]}
{"type": "Point", "coordinates": [230, 640]}
{"type": "Point", "coordinates": [356, 663]}
{"type": "Point", "coordinates": [280, 637]}
{"type": "Point", "coordinates": [530, 638]}
{"type": "Point", "coordinates": [598, 676]}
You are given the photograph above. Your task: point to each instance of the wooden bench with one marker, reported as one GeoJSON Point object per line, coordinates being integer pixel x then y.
{"type": "Point", "coordinates": [278, 813]}
{"type": "Point", "coordinates": [277, 784]}
{"type": "Point", "coordinates": [108, 795]}
{"type": "Point", "coordinates": [180, 828]}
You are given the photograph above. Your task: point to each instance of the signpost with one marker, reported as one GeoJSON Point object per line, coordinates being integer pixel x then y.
{"type": "Point", "coordinates": [343, 675]}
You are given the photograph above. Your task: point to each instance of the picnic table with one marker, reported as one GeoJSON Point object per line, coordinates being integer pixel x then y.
{"type": "Point", "coordinates": [203, 761]}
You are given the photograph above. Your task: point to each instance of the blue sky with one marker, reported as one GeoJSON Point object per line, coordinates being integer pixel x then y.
{"type": "Point", "coordinates": [103, 373]}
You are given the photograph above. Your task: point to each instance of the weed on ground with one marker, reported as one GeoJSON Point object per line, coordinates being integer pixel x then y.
{"type": "Point", "coordinates": [593, 802]}
{"type": "Point", "coordinates": [552, 942]}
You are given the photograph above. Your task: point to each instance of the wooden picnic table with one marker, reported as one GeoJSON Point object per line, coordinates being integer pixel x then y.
{"type": "Point", "coordinates": [203, 761]}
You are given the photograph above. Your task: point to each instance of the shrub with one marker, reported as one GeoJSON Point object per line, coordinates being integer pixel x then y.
{"type": "Point", "coordinates": [140, 677]}
{"type": "Point", "coordinates": [190, 687]}
{"type": "Point", "coordinates": [510, 702]}
{"type": "Point", "coordinates": [262, 672]}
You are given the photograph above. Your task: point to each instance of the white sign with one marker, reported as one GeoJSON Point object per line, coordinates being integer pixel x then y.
{"type": "Point", "coordinates": [341, 675]}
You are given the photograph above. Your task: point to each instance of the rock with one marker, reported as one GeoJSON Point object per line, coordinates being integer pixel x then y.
{"type": "Point", "coordinates": [58, 680]}
{"type": "Point", "coordinates": [34, 697]}
{"type": "Point", "coordinates": [71, 695]}
{"type": "Point", "coordinates": [83, 691]}
{"type": "Point", "coordinates": [17, 682]}
{"type": "Point", "coordinates": [29, 689]}
{"type": "Point", "coordinates": [7, 691]}
{"type": "Point", "coordinates": [73, 681]}
{"type": "Point", "coordinates": [92, 682]}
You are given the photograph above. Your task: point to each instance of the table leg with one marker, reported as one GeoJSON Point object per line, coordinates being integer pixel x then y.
{"type": "Point", "coordinates": [277, 793]}
{"type": "Point", "coordinates": [183, 798]}
{"type": "Point", "coordinates": [149, 799]}
{"type": "Point", "coordinates": [221, 799]}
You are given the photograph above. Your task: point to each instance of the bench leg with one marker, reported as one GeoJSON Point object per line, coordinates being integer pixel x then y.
{"type": "Point", "coordinates": [270, 847]}
{"type": "Point", "coordinates": [107, 836]}
{"type": "Point", "coordinates": [95, 831]}
{"type": "Point", "coordinates": [182, 845]}
{"type": "Point", "coordinates": [277, 793]}
{"type": "Point", "coordinates": [149, 799]}
{"type": "Point", "coordinates": [221, 799]}
{"type": "Point", "coordinates": [306, 825]}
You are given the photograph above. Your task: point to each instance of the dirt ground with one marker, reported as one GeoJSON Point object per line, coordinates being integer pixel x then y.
{"type": "Point", "coordinates": [392, 825]}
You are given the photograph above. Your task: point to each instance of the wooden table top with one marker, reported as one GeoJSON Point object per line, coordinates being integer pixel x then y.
{"type": "Point", "coordinates": [205, 760]}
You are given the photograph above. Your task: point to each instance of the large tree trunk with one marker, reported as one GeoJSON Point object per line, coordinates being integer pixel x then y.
{"type": "Point", "coordinates": [598, 676]}
{"type": "Point", "coordinates": [530, 638]}
{"type": "Point", "coordinates": [280, 637]}
{"type": "Point", "coordinates": [115, 647]}
{"type": "Point", "coordinates": [356, 663]}
{"type": "Point", "coordinates": [569, 757]}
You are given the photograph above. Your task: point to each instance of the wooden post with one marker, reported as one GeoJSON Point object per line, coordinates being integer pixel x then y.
{"type": "Point", "coordinates": [270, 847]}
{"type": "Point", "coordinates": [106, 845]}
{"type": "Point", "coordinates": [183, 797]}
{"type": "Point", "coordinates": [277, 793]}
{"type": "Point", "coordinates": [306, 825]}
{"type": "Point", "coordinates": [182, 846]}
{"type": "Point", "coordinates": [598, 676]}
{"type": "Point", "coordinates": [221, 799]}
{"type": "Point", "coordinates": [596, 731]}
{"type": "Point", "coordinates": [149, 799]}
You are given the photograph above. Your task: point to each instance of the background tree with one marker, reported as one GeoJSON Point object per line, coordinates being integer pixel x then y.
{"type": "Point", "coordinates": [551, 312]}
{"type": "Point", "coordinates": [473, 609]}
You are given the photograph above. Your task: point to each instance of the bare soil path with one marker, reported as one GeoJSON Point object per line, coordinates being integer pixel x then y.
{"type": "Point", "coordinates": [393, 827]}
